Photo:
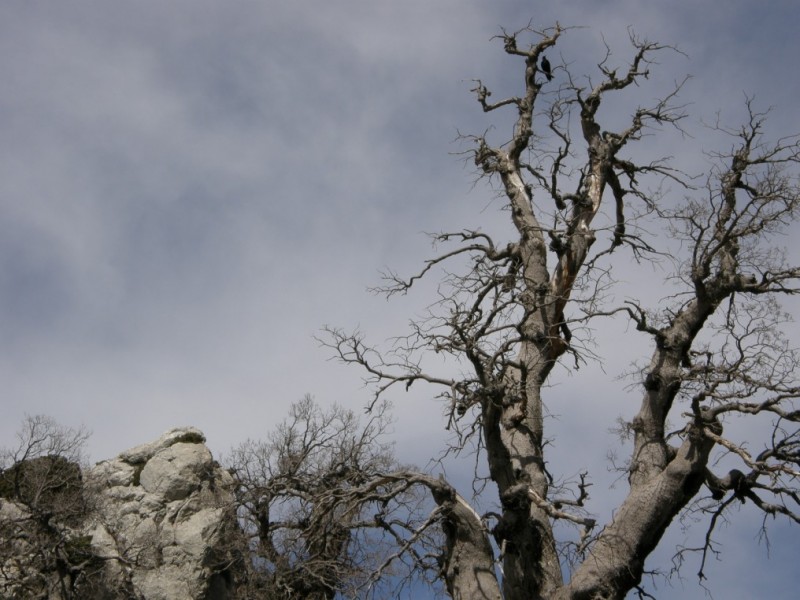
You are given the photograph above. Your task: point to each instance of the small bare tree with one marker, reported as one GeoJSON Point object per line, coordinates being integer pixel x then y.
{"type": "Point", "coordinates": [43, 501]}
{"type": "Point", "coordinates": [324, 507]}
{"type": "Point", "coordinates": [513, 310]}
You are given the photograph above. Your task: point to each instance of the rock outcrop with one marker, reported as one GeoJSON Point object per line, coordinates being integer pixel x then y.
{"type": "Point", "coordinates": [155, 523]}
{"type": "Point", "coordinates": [165, 507]}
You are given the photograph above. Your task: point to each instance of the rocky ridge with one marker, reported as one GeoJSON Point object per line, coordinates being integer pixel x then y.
{"type": "Point", "coordinates": [159, 524]}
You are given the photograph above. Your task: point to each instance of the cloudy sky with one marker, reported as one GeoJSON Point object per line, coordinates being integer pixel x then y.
{"type": "Point", "coordinates": [190, 190]}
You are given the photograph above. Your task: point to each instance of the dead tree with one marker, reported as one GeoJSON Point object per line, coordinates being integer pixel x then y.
{"type": "Point", "coordinates": [323, 509]}
{"type": "Point", "coordinates": [43, 502]}
{"type": "Point", "coordinates": [513, 310]}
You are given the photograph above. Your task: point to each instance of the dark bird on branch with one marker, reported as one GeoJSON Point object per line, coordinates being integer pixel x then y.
{"type": "Point", "coordinates": [546, 68]}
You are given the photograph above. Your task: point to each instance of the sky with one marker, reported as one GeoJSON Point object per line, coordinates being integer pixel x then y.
{"type": "Point", "coordinates": [190, 190]}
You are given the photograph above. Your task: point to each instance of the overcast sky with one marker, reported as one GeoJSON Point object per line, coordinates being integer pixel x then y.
{"type": "Point", "coordinates": [190, 190]}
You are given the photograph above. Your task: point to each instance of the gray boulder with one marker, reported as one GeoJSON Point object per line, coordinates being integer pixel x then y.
{"type": "Point", "coordinates": [165, 509]}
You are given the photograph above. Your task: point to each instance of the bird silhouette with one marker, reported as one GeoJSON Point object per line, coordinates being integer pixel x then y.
{"type": "Point", "coordinates": [546, 68]}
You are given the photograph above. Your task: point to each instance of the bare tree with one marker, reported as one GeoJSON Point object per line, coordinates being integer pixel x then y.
{"type": "Point", "coordinates": [316, 512]}
{"type": "Point", "coordinates": [43, 502]}
{"type": "Point", "coordinates": [512, 310]}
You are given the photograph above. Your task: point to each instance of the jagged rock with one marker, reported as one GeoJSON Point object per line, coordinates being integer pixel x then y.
{"type": "Point", "coordinates": [166, 508]}
{"type": "Point", "coordinates": [154, 523]}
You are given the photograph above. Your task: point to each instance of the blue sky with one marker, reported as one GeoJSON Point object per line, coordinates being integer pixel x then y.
{"type": "Point", "coordinates": [190, 190]}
